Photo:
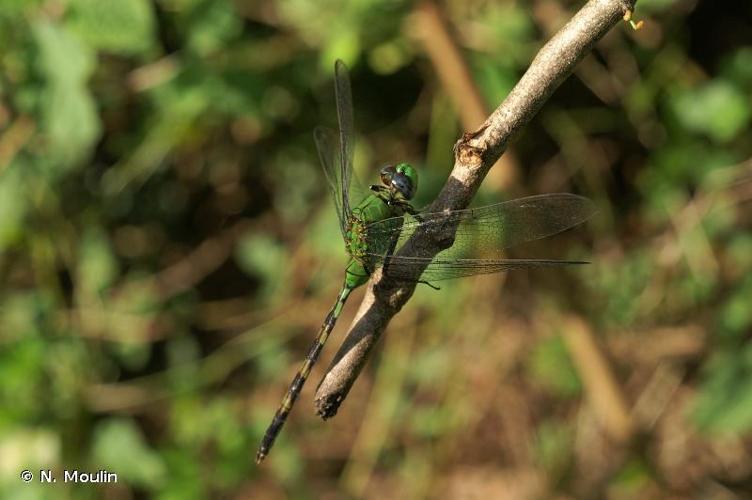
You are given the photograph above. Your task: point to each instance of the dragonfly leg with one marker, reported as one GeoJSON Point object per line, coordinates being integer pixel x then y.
{"type": "Point", "coordinates": [410, 210]}
{"type": "Point", "coordinates": [390, 252]}
{"type": "Point", "coordinates": [435, 287]}
{"type": "Point", "coordinates": [390, 199]}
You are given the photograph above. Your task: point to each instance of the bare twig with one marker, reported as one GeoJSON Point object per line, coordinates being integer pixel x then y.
{"type": "Point", "coordinates": [475, 153]}
{"type": "Point", "coordinates": [14, 139]}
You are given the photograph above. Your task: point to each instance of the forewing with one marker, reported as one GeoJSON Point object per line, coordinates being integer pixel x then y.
{"type": "Point", "coordinates": [343, 94]}
{"type": "Point", "coordinates": [492, 228]}
{"type": "Point", "coordinates": [479, 236]}
{"type": "Point", "coordinates": [444, 268]}
{"type": "Point", "coordinates": [326, 144]}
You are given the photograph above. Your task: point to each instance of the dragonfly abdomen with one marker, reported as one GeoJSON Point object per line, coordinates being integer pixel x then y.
{"type": "Point", "coordinates": [300, 378]}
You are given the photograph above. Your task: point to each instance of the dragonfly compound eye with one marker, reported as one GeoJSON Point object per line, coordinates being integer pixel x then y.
{"type": "Point", "coordinates": [404, 185]}
{"type": "Point", "coordinates": [387, 174]}
{"type": "Point", "coordinates": [405, 180]}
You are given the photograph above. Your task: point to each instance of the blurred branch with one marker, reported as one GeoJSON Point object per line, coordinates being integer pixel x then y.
{"type": "Point", "coordinates": [138, 395]}
{"type": "Point", "coordinates": [205, 259]}
{"type": "Point", "coordinates": [685, 343]}
{"type": "Point", "coordinates": [153, 74]}
{"type": "Point", "coordinates": [606, 396]}
{"type": "Point", "coordinates": [475, 154]}
{"type": "Point", "coordinates": [14, 139]}
{"type": "Point", "coordinates": [456, 78]}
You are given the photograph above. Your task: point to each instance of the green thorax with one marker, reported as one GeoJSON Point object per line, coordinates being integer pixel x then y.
{"type": "Point", "coordinates": [373, 208]}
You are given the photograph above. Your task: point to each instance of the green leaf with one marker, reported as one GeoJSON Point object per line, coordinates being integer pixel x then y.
{"type": "Point", "coordinates": [69, 117]}
{"type": "Point", "coordinates": [13, 204]}
{"type": "Point", "coordinates": [185, 481]}
{"type": "Point", "coordinates": [724, 405]}
{"type": "Point", "coordinates": [717, 109]}
{"type": "Point", "coordinates": [735, 315]}
{"type": "Point", "coordinates": [97, 266]}
{"type": "Point", "coordinates": [551, 366]}
{"type": "Point", "coordinates": [738, 66]}
{"type": "Point", "coordinates": [553, 447]}
{"type": "Point", "coordinates": [21, 314]}
{"type": "Point", "coordinates": [21, 370]}
{"type": "Point", "coordinates": [212, 25]}
{"type": "Point", "coordinates": [631, 479]}
{"type": "Point", "coordinates": [740, 250]}
{"type": "Point", "coordinates": [120, 447]}
{"type": "Point", "coordinates": [648, 6]}
{"type": "Point", "coordinates": [263, 257]}
{"type": "Point", "coordinates": [123, 27]}
{"type": "Point", "coordinates": [344, 44]}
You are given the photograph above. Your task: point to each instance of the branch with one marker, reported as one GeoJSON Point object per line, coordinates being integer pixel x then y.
{"type": "Point", "coordinates": [475, 153]}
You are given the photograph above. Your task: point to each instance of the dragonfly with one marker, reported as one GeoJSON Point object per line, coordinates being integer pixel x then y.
{"type": "Point", "coordinates": [376, 227]}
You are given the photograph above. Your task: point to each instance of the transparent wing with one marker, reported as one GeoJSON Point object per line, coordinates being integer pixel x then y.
{"type": "Point", "coordinates": [336, 153]}
{"type": "Point", "coordinates": [343, 95]}
{"type": "Point", "coordinates": [326, 144]}
{"type": "Point", "coordinates": [444, 268]}
{"type": "Point", "coordinates": [480, 235]}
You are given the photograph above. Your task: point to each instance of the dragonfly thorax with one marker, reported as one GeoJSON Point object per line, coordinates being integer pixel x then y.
{"type": "Point", "coordinates": [373, 208]}
{"type": "Point", "coordinates": [389, 201]}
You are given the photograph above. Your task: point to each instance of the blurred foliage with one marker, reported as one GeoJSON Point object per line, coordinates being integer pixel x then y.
{"type": "Point", "coordinates": [168, 250]}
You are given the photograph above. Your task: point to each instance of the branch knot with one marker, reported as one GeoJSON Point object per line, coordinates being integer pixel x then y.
{"type": "Point", "coordinates": [466, 154]}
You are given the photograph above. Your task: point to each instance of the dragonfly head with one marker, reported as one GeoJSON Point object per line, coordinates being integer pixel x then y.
{"type": "Point", "coordinates": [402, 178]}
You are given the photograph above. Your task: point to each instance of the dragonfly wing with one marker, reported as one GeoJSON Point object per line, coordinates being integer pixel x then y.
{"type": "Point", "coordinates": [485, 231]}
{"type": "Point", "coordinates": [326, 141]}
{"type": "Point", "coordinates": [474, 237]}
{"type": "Point", "coordinates": [343, 94]}
{"type": "Point", "coordinates": [426, 269]}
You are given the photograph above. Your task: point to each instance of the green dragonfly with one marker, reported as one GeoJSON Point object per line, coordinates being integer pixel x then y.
{"type": "Point", "coordinates": [376, 228]}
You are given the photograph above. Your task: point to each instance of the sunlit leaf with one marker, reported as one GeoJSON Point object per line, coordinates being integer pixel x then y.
{"type": "Point", "coordinates": [123, 26]}
{"type": "Point", "coordinates": [212, 24]}
{"type": "Point", "coordinates": [551, 366]}
{"type": "Point", "coordinates": [97, 265]}
{"type": "Point", "coordinates": [724, 405]}
{"type": "Point", "coordinates": [70, 119]}
{"type": "Point", "coordinates": [119, 447]}
{"type": "Point", "coordinates": [717, 109]}
{"type": "Point", "coordinates": [13, 205]}
{"type": "Point", "coordinates": [553, 447]}
{"type": "Point", "coordinates": [263, 257]}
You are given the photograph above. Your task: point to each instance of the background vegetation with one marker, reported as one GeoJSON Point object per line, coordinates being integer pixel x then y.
{"type": "Point", "coordinates": [168, 250]}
